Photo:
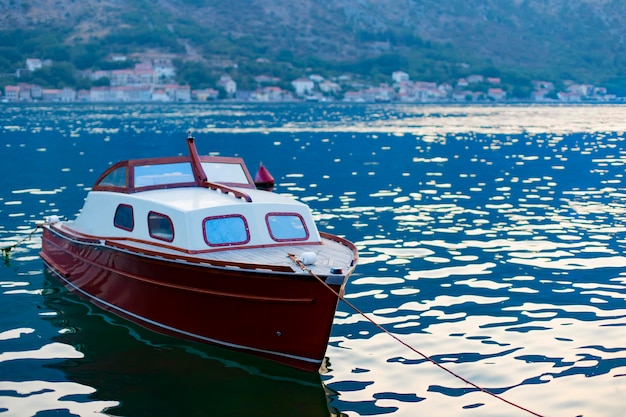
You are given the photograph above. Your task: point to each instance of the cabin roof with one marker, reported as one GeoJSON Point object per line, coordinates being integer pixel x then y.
{"type": "Point", "coordinates": [190, 199]}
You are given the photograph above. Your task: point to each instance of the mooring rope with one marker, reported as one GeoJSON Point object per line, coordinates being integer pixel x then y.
{"type": "Point", "coordinates": [7, 249]}
{"type": "Point", "coordinates": [423, 355]}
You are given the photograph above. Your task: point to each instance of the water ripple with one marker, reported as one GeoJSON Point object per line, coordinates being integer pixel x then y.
{"type": "Point", "coordinates": [490, 237]}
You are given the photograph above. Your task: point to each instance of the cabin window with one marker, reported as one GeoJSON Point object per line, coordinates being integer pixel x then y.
{"type": "Point", "coordinates": [124, 218]}
{"type": "Point", "coordinates": [161, 174]}
{"type": "Point", "coordinates": [225, 172]}
{"type": "Point", "coordinates": [286, 227]}
{"type": "Point", "coordinates": [226, 230]}
{"type": "Point", "coordinates": [116, 178]}
{"type": "Point", "coordinates": [160, 226]}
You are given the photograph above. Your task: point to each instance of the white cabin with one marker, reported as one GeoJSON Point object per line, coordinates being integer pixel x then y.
{"type": "Point", "coordinates": [197, 219]}
{"type": "Point", "coordinates": [170, 202]}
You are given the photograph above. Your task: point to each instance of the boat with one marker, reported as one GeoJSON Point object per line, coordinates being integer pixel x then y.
{"type": "Point", "coordinates": [187, 246]}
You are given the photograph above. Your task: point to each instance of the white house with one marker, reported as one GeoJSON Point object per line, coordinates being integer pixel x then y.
{"type": "Point", "coordinates": [303, 86]}
{"type": "Point", "coordinates": [163, 69]}
{"type": "Point", "coordinates": [569, 97]}
{"type": "Point", "coordinates": [475, 78]}
{"type": "Point", "coordinates": [160, 95]}
{"type": "Point", "coordinates": [131, 93]}
{"type": "Point", "coordinates": [496, 94]}
{"type": "Point", "coordinates": [100, 94]}
{"type": "Point", "coordinates": [539, 95]}
{"type": "Point", "coordinates": [118, 58]}
{"type": "Point", "coordinates": [462, 82]}
{"type": "Point", "coordinates": [144, 76]}
{"type": "Point", "coordinates": [182, 93]}
{"type": "Point", "coordinates": [353, 97]}
{"type": "Point", "coordinates": [51, 94]}
{"type": "Point", "coordinates": [205, 94]}
{"type": "Point", "coordinates": [463, 95]}
{"type": "Point", "coordinates": [33, 64]}
{"type": "Point", "coordinates": [83, 95]}
{"type": "Point", "coordinates": [67, 94]}
{"type": "Point", "coordinates": [12, 93]}
{"type": "Point", "coordinates": [329, 87]}
{"type": "Point", "coordinates": [228, 85]}
{"type": "Point", "coordinates": [29, 92]}
{"type": "Point", "coordinates": [400, 76]}
{"type": "Point", "coordinates": [121, 77]}
{"type": "Point", "coordinates": [24, 91]}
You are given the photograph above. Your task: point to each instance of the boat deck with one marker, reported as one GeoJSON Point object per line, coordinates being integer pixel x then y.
{"type": "Point", "coordinates": [329, 255]}
{"type": "Point", "coordinates": [332, 256]}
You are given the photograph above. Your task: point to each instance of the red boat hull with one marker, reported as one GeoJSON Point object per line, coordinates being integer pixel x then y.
{"type": "Point", "coordinates": [280, 316]}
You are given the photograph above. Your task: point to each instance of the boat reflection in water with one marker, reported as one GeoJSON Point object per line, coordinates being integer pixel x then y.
{"type": "Point", "coordinates": [155, 375]}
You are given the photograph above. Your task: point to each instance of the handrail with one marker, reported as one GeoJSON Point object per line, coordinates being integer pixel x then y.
{"type": "Point", "coordinates": [226, 189]}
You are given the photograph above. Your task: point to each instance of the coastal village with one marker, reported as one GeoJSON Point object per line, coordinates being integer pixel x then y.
{"type": "Point", "coordinates": [153, 80]}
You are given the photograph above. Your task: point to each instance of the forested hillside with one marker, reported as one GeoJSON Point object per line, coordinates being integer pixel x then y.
{"type": "Point", "coordinates": [582, 40]}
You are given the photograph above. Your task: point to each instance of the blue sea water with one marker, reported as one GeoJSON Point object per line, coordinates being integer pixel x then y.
{"type": "Point", "coordinates": [491, 240]}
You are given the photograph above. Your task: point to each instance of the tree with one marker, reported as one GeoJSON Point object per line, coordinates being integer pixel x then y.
{"type": "Point", "coordinates": [101, 82]}
{"type": "Point", "coordinates": [57, 53]}
{"type": "Point", "coordinates": [57, 75]}
{"type": "Point", "coordinates": [194, 73]}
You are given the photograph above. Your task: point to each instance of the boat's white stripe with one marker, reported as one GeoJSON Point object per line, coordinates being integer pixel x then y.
{"type": "Point", "coordinates": [164, 326]}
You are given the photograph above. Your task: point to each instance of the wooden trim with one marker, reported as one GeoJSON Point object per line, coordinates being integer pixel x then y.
{"type": "Point", "coordinates": [113, 243]}
{"type": "Point", "coordinates": [70, 233]}
{"type": "Point", "coordinates": [170, 285]}
{"type": "Point", "coordinates": [200, 178]}
{"type": "Point", "coordinates": [272, 245]}
{"type": "Point", "coordinates": [192, 260]}
{"type": "Point", "coordinates": [344, 242]}
{"type": "Point", "coordinates": [52, 264]}
{"type": "Point", "coordinates": [112, 188]}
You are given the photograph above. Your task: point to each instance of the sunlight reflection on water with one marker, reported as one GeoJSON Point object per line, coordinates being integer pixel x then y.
{"type": "Point", "coordinates": [491, 238]}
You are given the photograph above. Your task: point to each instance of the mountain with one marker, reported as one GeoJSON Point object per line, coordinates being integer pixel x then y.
{"type": "Point", "coordinates": [554, 39]}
